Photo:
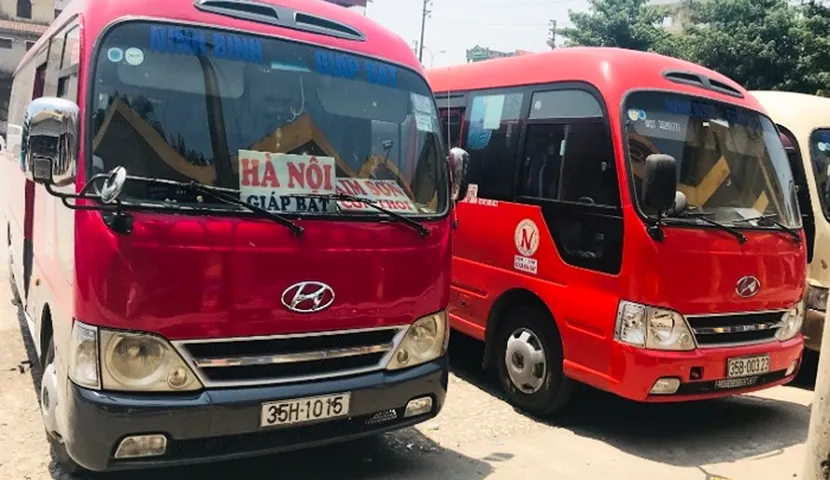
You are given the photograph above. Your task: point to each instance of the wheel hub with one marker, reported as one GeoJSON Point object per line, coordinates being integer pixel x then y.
{"type": "Point", "coordinates": [525, 361]}
{"type": "Point", "coordinates": [49, 398]}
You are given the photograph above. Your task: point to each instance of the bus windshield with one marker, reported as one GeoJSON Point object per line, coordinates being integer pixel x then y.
{"type": "Point", "coordinates": [730, 160]}
{"type": "Point", "coordinates": [272, 118]}
{"type": "Point", "coordinates": [820, 154]}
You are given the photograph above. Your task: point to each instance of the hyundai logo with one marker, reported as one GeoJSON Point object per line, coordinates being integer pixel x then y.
{"type": "Point", "coordinates": [747, 286]}
{"type": "Point", "coordinates": [307, 297]}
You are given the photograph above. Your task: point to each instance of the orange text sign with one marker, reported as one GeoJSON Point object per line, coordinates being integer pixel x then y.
{"type": "Point", "coordinates": [387, 193]}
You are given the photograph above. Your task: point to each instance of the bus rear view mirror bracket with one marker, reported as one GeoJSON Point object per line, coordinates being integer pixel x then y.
{"type": "Point", "coordinates": [659, 189]}
{"type": "Point", "coordinates": [49, 156]}
{"type": "Point", "coordinates": [459, 161]}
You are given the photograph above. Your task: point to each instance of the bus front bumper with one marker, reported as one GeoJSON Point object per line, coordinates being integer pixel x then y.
{"type": "Point", "coordinates": [224, 424]}
{"type": "Point", "coordinates": [702, 373]}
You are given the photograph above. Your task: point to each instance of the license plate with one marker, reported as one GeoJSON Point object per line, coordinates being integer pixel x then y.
{"type": "Point", "coordinates": [747, 366]}
{"type": "Point", "coordinates": [301, 410]}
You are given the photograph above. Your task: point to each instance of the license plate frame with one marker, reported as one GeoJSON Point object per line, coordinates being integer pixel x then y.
{"type": "Point", "coordinates": [747, 366]}
{"type": "Point", "coordinates": [298, 411]}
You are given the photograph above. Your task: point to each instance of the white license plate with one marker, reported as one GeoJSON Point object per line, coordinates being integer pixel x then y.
{"type": "Point", "coordinates": [300, 410]}
{"type": "Point", "coordinates": [747, 366]}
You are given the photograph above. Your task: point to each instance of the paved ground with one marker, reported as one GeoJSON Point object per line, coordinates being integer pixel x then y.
{"type": "Point", "coordinates": [477, 435]}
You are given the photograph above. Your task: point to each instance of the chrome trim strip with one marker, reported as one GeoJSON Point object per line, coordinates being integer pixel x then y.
{"type": "Point", "coordinates": [738, 344]}
{"type": "Point", "coordinates": [755, 327]}
{"type": "Point", "coordinates": [290, 335]}
{"type": "Point", "coordinates": [730, 314]}
{"type": "Point", "coordinates": [310, 356]}
{"type": "Point", "coordinates": [181, 348]}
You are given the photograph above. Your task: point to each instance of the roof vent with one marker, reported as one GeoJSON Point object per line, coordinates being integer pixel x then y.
{"type": "Point", "coordinates": [238, 9]}
{"type": "Point", "coordinates": [724, 88]}
{"type": "Point", "coordinates": [314, 22]}
{"type": "Point", "coordinates": [701, 81]}
{"type": "Point", "coordinates": [685, 77]}
{"type": "Point", "coordinates": [259, 12]}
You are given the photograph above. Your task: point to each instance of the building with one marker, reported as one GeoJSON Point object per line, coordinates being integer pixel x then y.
{"type": "Point", "coordinates": [678, 14]}
{"type": "Point", "coordinates": [22, 22]}
{"type": "Point", "coordinates": [478, 54]}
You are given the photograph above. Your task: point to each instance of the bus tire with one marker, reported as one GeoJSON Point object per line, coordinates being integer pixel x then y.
{"type": "Point", "coordinates": [48, 406]}
{"type": "Point", "coordinates": [529, 359]}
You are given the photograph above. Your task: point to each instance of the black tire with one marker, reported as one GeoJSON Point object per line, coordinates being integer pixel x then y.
{"type": "Point", "coordinates": [59, 454]}
{"type": "Point", "coordinates": [556, 389]}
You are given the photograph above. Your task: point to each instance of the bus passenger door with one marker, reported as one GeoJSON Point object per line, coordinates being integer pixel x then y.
{"type": "Point", "coordinates": [568, 169]}
{"type": "Point", "coordinates": [29, 207]}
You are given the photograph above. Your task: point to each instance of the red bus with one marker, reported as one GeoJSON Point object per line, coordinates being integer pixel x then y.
{"type": "Point", "coordinates": [229, 227]}
{"type": "Point", "coordinates": [629, 221]}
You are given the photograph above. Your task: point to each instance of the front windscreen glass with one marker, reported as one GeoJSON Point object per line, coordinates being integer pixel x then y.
{"type": "Point", "coordinates": [731, 163]}
{"type": "Point", "coordinates": [277, 120]}
{"type": "Point", "coordinates": [820, 155]}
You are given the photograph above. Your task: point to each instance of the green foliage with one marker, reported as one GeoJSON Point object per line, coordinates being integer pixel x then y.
{"type": "Point", "coordinates": [628, 24]}
{"type": "Point", "coordinates": [761, 44]}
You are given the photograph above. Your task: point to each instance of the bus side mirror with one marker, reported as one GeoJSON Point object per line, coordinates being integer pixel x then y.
{"type": "Point", "coordinates": [49, 143]}
{"type": "Point", "coordinates": [459, 161]}
{"type": "Point", "coordinates": [660, 182]}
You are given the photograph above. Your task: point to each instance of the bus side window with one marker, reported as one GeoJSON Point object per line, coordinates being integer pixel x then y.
{"type": "Point", "coordinates": [802, 190]}
{"type": "Point", "coordinates": [68, 75]}
{"type": "Point", "coordinates": [451, 126]}
{"type": "Point", "coordinates": [492, 135]}
{"type": "Point", "coordinates": [568, 169]}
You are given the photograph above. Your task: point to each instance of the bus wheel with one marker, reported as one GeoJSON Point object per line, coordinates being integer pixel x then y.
{"type": "Point", "coordinates": [48, 409]}
{"type": "Point", "coordinates": [530, 363]}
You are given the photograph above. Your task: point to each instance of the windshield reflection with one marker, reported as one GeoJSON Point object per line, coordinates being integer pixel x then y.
{"type": "Point", "coordinates": [730, 160]}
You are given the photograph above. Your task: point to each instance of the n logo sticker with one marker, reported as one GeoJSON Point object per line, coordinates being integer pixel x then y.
{"type": "Point", "coordinates": [526, 237]}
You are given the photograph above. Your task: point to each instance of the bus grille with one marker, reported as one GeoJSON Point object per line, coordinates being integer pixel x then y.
{"type": "Point", "coordinates": [735, 329]}
{"type": "Point", "coordinates": [290, 358]}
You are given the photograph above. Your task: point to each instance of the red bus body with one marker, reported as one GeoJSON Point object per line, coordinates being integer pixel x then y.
{"type": "Point", "coordinates": [693, 271]}
{"type": "Point", "coordinates": [216, 285]}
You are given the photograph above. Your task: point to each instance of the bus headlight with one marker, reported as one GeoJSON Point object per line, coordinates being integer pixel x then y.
{"type": "Point", "coordinates": [816, 298]}
{"type": "Point", "coordinates": [425, 340]}
{"type": "Point", "coordinates": [792, 321]}
{"type": "Point", "coordinates": [143, 362]}
{"type": "Point", "coordinates": [653, 328]}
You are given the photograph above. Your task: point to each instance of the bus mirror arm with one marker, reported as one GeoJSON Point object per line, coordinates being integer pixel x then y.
{"type": "Point", "coordinates": [660, 190]}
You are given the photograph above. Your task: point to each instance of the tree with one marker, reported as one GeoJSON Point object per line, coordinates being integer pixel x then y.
{"type": "Point", "coordinates": [631, 24]}
{"type": "Point", "coordinates": [814, 62]}
{"type": "Point", "coordinates": [757, 43]}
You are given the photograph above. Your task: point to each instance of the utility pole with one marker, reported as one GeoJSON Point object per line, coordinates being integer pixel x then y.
{"type": "Point", "coordinates": [424, 15]}
{"type": "Point", "coordinates": [817, 463]}
{"type": "Point", "coordinates": [552, 39]}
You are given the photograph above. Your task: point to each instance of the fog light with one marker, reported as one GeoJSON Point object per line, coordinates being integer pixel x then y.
{"type": "Point", "coordinates": [665, 386]}
{"type": "Point", "coordinates": [791, 368]}
{"type": "Point", "coordinates": [418, 406]}
{"type": "Point", "coordinates": [142, 446]}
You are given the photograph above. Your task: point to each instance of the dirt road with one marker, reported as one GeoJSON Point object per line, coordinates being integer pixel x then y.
{"type": "Point", "coordinates": [477, 435]}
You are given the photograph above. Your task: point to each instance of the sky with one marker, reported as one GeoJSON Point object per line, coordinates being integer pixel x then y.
{"type": "Point", "coordinates": [456, 25]}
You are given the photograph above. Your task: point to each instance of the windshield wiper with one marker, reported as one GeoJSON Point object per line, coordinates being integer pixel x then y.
{"type": "Point", "coordinates": [223, 196]}
{"type": "Point", "coordinates": [769, 218]}
{"type": "Point", "coordinates": [345, 197]}
{"type": "Point", "coordinates": [704, 216]}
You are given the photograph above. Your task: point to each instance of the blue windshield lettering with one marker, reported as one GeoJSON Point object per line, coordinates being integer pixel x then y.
{"type": "Point", "coordinates": [342, 65]}
{"type": "Point", "coordinates": [188, 41]}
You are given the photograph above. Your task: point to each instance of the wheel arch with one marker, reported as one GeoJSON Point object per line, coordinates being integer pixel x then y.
{"type": "Point", "coordinates": [506, 301]}
{"type": "Point", "coordinates": [46, 331]}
